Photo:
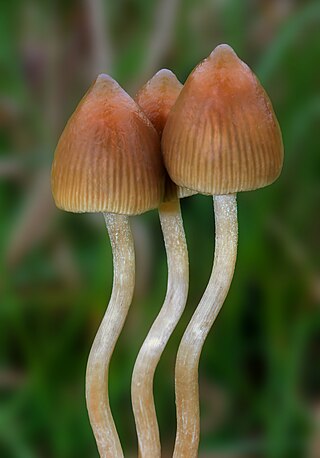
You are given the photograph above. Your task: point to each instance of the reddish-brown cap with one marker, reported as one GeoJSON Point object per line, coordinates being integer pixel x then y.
{"type": "Point", "coordinates": [156, 98]}
{"type": "Point", "coordinates": [222, 135]}
{"type": "Point", "coordinates": [108, 157]}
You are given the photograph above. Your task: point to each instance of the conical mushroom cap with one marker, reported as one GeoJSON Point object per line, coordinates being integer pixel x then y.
{"type": "Point", "coordinates": [156, 98]}
{"type": "Point", "coordinates": [108, 157]}
{"type": "Point", "coordinates": [222, 135]}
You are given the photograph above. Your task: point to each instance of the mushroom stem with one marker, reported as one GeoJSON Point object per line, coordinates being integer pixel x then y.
{"type": "Point", "coordinates": [98, 363]}
{"type": "Point", "coordinates": [161, 330]}
{"type": "Point", "coordinates": [186, 373]}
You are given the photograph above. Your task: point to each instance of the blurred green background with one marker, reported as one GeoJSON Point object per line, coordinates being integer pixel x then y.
{"type": "Point", "coordinates": [259, 372]}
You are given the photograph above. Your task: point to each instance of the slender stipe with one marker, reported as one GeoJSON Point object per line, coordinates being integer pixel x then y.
{"type": "Point", "coordinates": [161, 330]}
{"type": "Point", "coordinates": [186, 382]}
{"type": "Point", "coordinates": [98, 363]}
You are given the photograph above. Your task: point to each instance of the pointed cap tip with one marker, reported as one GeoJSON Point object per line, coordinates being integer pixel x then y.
{"type": "Point", "coordinates": [163, 76]}
{"type": "Point", "coordinates": [165, 72]}
{"type": "Point", "coordinates": [104, 77]}
{"type": "Point", "coordinates": [104, 80]}
{"type": "Point", "coordinates": [223, 52]}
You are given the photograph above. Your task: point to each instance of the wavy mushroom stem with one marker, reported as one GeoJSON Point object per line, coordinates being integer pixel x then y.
{"type": "Point", "coordinates": [161, 330]}
{"type": "Point", "coordinates": [98, 363]}
{"type": "Point", "coordinates": [186, 374]}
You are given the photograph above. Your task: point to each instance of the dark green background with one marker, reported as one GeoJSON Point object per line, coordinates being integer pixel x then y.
{"type": "Point", "coordinates": [259, 372]}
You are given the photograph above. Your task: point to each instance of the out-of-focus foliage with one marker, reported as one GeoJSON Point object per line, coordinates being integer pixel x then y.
{"type": "Point", "coordinates": [259, 370]}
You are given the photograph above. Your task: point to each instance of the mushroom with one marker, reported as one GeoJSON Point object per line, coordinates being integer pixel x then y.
{"type": "Point", "coordinates": [156, 98]}
{"type": "Point", "coordinates": [108, 160]}
{"type": "Point", "coordinates": [221, 137]}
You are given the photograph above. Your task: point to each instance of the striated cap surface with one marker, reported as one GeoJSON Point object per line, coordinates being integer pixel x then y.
{"type": "Point", "coordinates": [108, 157]}
{"type": "Point", "coordinates": [222, 135]}
{"type": "Point", "coordinates": [156, 98]}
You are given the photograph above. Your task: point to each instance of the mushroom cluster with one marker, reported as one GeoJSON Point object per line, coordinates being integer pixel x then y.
{"type": "Point", "coordinates": [216, 135]}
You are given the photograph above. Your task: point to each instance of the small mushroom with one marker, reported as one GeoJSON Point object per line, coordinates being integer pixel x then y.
{"type": "Point", "coordinates": [221, 137]}
{"type": "Point", "coordinates": [108, 160]}
{"type": "Point", "coordinates": [156, 98]}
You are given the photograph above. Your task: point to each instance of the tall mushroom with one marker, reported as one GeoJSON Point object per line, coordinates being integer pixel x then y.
{"type": "Point", "coordinates": [108, 160]}
{"type": "Point", "coordinates": [221, 137]}
{"type": "Point", "coordinates": [156, 98]}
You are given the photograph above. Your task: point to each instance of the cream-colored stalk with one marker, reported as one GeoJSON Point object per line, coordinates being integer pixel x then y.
{"type": "Point", "coordinates": [156, 98]}
{"type": "Point", "coordinates": [221, 137]}
{"type": "Point", "coordinates": [186, 378]}
{"type": "Point", "coordinates": [161, 330]}
{"type": "Point", "coordinates": [98, 363]}
{"type": "Point", "coordinates": [108, 160]}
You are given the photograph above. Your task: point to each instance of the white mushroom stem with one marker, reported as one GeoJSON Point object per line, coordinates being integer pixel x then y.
{"type": "Point", "coordinates": [161, 330]}
{"type": "Point", "coordinates": [98, 363]}
{"type": "Point", "coordinates": [186, 375]}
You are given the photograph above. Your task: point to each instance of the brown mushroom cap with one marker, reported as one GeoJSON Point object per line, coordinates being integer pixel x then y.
{"type": "Point", "coordinates": [222, 135]}
{"type": "Point", "coordinates": [108, 157]}
{"type": "Point", "coordinates": [156, 98]}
